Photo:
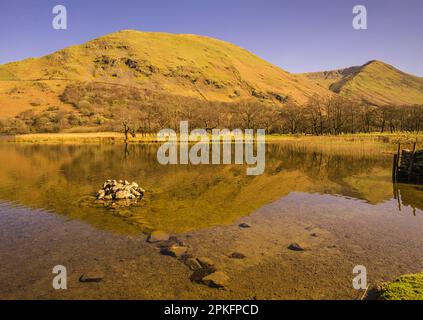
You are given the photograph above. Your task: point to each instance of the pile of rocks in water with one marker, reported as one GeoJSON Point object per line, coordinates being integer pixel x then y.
{"type": "Point", "coordinates": [120, 190]}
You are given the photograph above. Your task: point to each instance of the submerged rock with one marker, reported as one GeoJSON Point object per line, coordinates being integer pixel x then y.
{"type": "Point", "coordinates": [198, 275]}
{"type": "Point", "coordinates": [296, 247]}
{"type": "Point", "coordinates": [244, 225]}
{"type": "Point", "coordinates": [193, 264]}
{"type": "Point", "coordinates": [216, 279]}
{"type": "Point", "coordinates": [237, 255]}
{"type": "Point", "coordinates": [158, 236]}
{"type": "Point", "coordinates": [174, 251]}
{"type": "Point", "coordinates": [91, 276]}
{"type": "Point", "coordinates": [206, 263]}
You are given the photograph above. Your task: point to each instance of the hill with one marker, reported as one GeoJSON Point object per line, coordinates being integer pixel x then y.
{"type": "Point", "coordinates": [375, 82]}
{"type": "Point", "coordinates": [154, 79]}
{"type": "Point", "coordinates": [180, 65]}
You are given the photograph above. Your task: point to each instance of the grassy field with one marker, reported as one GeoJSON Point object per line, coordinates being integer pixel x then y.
{"type": "Point", "coordinates": [320, 142]}
{"type": "Point", "coordinates": [88, 137]}
{"type": "Point", "coordinates": [403, 137]}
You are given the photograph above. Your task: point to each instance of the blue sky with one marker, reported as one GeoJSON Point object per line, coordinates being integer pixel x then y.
{"type": "Point", "coordinates": [298, 36]}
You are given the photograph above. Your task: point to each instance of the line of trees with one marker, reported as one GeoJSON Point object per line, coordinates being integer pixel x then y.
{"type": "Point", "coordinates": [337, 115]}
{"type": "Point", "coordinates": [318, 116]}
{"type": "Point", "coordinates": [133, 111]}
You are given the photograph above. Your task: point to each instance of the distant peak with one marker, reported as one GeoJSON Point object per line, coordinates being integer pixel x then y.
{"type": "Point", "coordinates": [375, 62]}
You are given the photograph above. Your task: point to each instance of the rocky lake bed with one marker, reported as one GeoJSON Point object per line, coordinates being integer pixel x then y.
{"type": "Point", "coordinates": [230, 261]}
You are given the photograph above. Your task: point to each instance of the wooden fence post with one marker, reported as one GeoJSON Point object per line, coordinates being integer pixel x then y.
{"type": "Point", "coordinates": [410, 167]}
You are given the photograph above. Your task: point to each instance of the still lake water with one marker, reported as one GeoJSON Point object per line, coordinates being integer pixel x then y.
{"type": "Point", "coordinates": [341, 193]}
{"type": "Point", "coordinates": [180, 198]}
{"type": "Point", "coordinates": [64, 178]}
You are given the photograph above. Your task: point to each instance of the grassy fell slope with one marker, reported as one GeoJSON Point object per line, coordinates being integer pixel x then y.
{"type": "Point", "coordinates": [375, 82]}
{"type": "Point", "coordinates": [183, 65]}
{"type": "Point", "coordinates": [88, 85]}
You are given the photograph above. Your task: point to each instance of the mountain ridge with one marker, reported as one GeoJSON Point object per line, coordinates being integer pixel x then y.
{"type": "Point", "coordinates": [374, 82]}
{"type": "Point", "coordinates": [133, 56]}
{"type": "Point", "coordinates": [184, 65]}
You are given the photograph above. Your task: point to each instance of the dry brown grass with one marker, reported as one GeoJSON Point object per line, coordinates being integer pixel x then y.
{"type": "Point", "coordinates": [352, 143]}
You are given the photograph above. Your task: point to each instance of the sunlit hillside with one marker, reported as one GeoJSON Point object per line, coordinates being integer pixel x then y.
{"type": "Point", "coordinates": [375, 82]}
{"type": "Point", "coordinates": [149, 76]}
{"type": "Point", "coordinates": [185, 65]}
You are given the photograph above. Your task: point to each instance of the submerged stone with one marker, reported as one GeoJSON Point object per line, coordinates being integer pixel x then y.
{"type": "Point", "coordinates": [158, 236]}
{"type": "Point", "coordinates": [216, 279]}
{"type": "Point", "coordinates": [92, 276]}
{"type": "Point", "coordinates": [237, 255]}
{"type": "Point", "coordinates": [174, 251]}
{"type": "Point", "coordinates": [193, 264]}
{"type": "Point", "coordinates": [198, 275]}
{"type": "Point", "coordinates": [296, 247]}
{"type": "Point", "coordinates": [206, 263]}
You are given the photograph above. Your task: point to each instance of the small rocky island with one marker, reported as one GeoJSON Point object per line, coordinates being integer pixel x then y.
{"type": "Point", "coordinates": [115, 190]}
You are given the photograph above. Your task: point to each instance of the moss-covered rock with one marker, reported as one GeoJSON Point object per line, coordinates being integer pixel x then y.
{"type": "Point", "coordinates": [406, 287]}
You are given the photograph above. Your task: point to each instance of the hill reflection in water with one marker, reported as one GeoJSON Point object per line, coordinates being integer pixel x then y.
{"type": "Point", "coordinates": [180, 198]}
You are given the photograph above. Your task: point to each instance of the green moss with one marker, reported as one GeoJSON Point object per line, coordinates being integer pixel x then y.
{"type": "Point", "coordinates": [406, 287]}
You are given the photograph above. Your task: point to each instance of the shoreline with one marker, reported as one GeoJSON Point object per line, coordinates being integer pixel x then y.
{"type": "Point", "coordinates": [118, 138]}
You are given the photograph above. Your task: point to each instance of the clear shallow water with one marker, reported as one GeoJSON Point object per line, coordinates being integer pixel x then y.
{"type": "Point", "coordinates": [337, 201]}
{"type": "Point", "coordinates": [63, 179]}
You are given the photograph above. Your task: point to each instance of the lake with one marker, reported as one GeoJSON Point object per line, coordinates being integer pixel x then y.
{"type": "Point", "coordinates": [339, 202]}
